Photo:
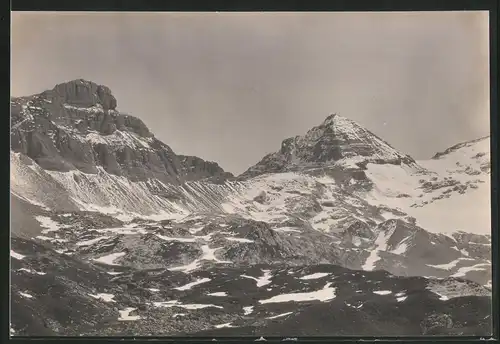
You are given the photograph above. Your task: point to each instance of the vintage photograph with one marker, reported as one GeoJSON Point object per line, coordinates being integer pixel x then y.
{"type": "Point", "coordinates": [254, 174]}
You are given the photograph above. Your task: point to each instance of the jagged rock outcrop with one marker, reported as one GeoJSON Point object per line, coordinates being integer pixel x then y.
{"type": "Point", "coordinates": [76, 126]}
{"type": "Point", "coordinates": [198, 167]}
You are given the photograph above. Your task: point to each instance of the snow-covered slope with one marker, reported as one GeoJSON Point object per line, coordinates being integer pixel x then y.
{"type": "Point", "coordinates": [452, 194]}
{"type": "Point", "coordinates": [112, 194]}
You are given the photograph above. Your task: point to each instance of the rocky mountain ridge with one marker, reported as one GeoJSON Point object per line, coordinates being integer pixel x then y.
{"type": "Point", "coordinates": [76, 126]}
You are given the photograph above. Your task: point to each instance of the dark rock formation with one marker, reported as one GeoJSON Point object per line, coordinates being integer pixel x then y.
{"type": "Point", "coordinates": [75, 126]}
{"type": "Point", "coordinates": [82, 93]}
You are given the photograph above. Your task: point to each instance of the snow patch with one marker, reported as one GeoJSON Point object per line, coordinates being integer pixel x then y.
{"type": "Point", "coordinates": [208, 254]}
{"type": "Point", "coordinates": [45, 238]}
{"type": "Point", "coordinates": [450, 265]}
{"type": "Point", "coordinates": [464, 270]}
{"type": "Point", "coordinates": [196, 229]}
{"type": "Point", "coordinates": [223, 325]}
{"type": "Point", "coordinates": [29, 296]}
{"type": "Point", "coordinates": [219, 293]}
{"type": "Point", "coordinates": [16, 255]}
{"type": "Point", "coordinates": [247, 310]}
{"type": "Point", "coordinates": [314, 276]}
{"type": "Point", "coordinates": [47, 223]}
{"type": "Point", "coordinates": [175, 303]}
{"type": "Point", "coordinates": [125, 314]}
{"type": "Point", "coordinates": [325, 294]}
{"type": "Point", "coordinates": [109, 259]}
{"type": "Point", "coordinates": [104, 297]}
{"type": "Point", "coordinates": [380, 245]}
{"type": "Point", "coordinates": [262, 280]}
{"type": "Point", "coordinates": [402, 247]}
{"type": "Point", "coordinates": [32, 271]}
{"type": "Point", "coordinates": [382, 292]}
{"type": "Point", "coordinates": [279, 315]}
{"type": "Point", "coordinates": [192, 284]}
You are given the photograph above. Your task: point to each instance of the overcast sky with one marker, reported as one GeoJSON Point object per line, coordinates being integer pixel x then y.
{"type": "Point", "coordinates": [229, 87]}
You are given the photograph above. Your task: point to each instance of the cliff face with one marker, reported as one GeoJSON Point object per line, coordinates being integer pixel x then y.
{"type": "Point", "coordinates": [75, 126]}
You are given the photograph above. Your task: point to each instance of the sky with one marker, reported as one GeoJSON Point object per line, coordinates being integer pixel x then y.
{"type": "Point", "coordinates": [229, 87]}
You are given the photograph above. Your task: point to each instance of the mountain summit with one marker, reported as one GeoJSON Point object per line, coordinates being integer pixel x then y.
{"type": "Point", "coordinates": [75, 126]}
{"type": "Point", "coordinates": [83, 93]}
{"type": "Point", "coordinates": [337, 141]}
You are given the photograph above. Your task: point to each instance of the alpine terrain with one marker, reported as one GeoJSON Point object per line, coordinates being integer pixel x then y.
{"type": "Point", "coordinates": [336, 233]}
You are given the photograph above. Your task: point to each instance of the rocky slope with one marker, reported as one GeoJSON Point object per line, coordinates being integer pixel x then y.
{"type": "Point", "coordinates": [92, 190]}
{"type": "Point", "coordinates": [57, 294]}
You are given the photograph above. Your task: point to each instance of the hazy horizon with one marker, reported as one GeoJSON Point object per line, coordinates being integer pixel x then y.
{"type": "Point", "coordinates": [229, 87]}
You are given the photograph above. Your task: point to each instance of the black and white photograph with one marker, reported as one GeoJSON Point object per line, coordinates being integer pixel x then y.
{"type": "Point", "coordinates": [250, 174]}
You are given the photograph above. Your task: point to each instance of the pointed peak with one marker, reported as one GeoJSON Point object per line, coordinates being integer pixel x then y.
{"type": "Point", "coordinates": [338, 141]}
{"type": "Point", "coordinates": [338, 121]}
{"type": "Point", "coordinates": [330, 117]}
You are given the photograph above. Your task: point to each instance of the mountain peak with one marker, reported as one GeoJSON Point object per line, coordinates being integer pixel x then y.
{"type": "Point", "coordinates": [75, 126]}
{"type": "Point", "coordinates": [82, 93]}
{"type": "Point", "coordinates": [342, 125]}
{"type": "Point", "coordinates": [329, 120]}
{"type": "Point", "coordinates": [336, 141]}
{"type": "Point", "coordinates": [79, 81]}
